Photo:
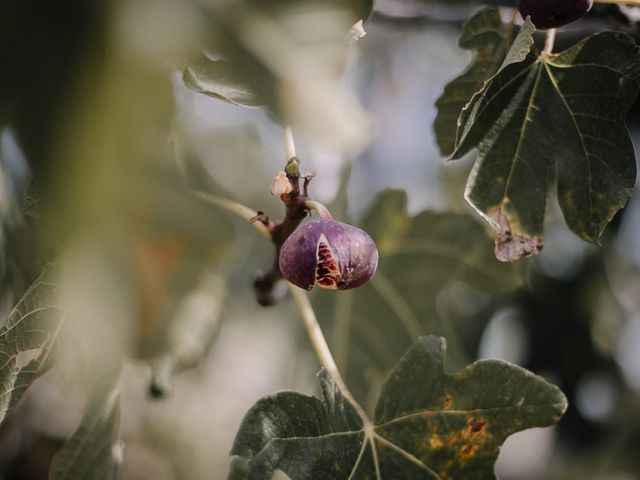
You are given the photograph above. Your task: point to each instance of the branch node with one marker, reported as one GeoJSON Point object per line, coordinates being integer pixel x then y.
{"type": "Point", "coordinates": [293, 167]}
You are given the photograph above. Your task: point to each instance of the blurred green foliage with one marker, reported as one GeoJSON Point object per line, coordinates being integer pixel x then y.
{"type": "Point", "coordinates": [97, 172]}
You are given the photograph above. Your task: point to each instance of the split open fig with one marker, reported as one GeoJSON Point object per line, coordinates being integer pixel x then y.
{"type": "Point", "coordinates": [332, 254]}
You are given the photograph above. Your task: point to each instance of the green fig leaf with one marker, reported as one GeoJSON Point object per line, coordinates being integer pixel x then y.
{"type": "Point", "coordinates": [565, 112]}
{"type": "Point", "coordinates": [489, 38]}
{"type": "Point", "coordinates": [427, 424]}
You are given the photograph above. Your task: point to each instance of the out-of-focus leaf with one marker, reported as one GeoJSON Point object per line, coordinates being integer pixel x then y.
{"type": "Point", "coordinates": [453, 244]}
{"type": "Point", "coordinates": [565, 111]}
{"type": "Point", "coordinates": [190, 333]}
{"type": "Point", "coordinates": [340, 203]}
{"type": "Point", "coordinates": [239, 470]}
{"type": "Point", "coordinates": [457, 3]}
{"type": "Point", "coordinates": [218, 79]}
{"type": "Point", "coordinates": [94, 451]}
{"type": "Point", "coordinates": [427, 424]}
{"type": "Point", "coordinates": [489, 38]}
{"type": "Point", "coordinates": [354, 9]}
{"type": "Point", "coordinates": [27, 337]}
{"type": "Point", "coordinates": [426, 262]}
{"type": "Point", "coordinates": [362, 8]}
{"type": "Point", "coordinates": [292, 55]}
{"type": "Point", "coordinates": [136, 238]}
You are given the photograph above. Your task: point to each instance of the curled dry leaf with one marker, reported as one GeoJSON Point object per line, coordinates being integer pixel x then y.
{"type": "Point", "coordinates": [511, 246]}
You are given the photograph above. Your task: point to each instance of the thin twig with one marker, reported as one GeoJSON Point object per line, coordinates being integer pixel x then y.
{"type": "Point", "coordinates": [240, 210]}
{"type": "Point", "coordinates": [289, 144]}
{"type": "Point", "coordinates": [322, 350]}
{"type": "Point", "coordinates": [549, 41]}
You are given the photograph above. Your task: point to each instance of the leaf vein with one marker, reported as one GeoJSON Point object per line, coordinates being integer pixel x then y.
{"type": "Point", "coordinates": [554, 82]}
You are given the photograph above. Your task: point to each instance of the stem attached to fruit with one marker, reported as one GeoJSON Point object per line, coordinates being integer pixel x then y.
{"type": "Point", "coordinates": [297, 208]}
{"type": "Point", "coordinates": [323, 211]}
{"type": "Point", "coordinates": [549, 41]}
{"type": "Point", "coordinates": [321, 348]}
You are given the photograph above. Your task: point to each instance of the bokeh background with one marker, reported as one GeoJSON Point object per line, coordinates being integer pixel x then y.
{"type": "Point", "coordinates": [101, 144]}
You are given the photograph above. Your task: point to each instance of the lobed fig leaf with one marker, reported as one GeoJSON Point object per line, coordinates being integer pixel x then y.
{"type": "Point", "coordinates": [427, 424]}
{"type": "Point", "coordinates": [541, 113]}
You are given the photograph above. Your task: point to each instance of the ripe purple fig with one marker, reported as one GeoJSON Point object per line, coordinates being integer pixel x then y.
{"type": "Point", "coordinates": [553, 13]}
{"type": "Point", "coordinates": [332, 254]}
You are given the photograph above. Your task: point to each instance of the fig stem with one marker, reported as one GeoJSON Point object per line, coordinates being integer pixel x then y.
{"type": "Point", "coordinates": [549, 41]}
{"type": "Point", "coordinates": [320, 346]}
{"type": "Point", "coordinates": [236, 208]}
{"type": "Point", "coordinates": [289, 144]}
{"type": "Point", "coordinates": [323, 211]}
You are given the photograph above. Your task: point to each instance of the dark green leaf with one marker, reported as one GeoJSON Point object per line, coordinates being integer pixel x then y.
{"type": "Point", "coordinates": [518, 52]}
{"type": "Point", "coordinates": [427, 424]}
{"type": "Point", "coordinates": [489, 38]}
{"type": "Point", "coordinates": [565, 111]}
{"type": "Point", "coordinates": [428, 264]}
{"type": "Point", "coordinates": [448, 245]}
{"type": "Point", "coordinates": [218, 79]}
{"type": "Point", "coordinates": [27, 337]}
{"type": "Point", "coordinates": [93, 452]}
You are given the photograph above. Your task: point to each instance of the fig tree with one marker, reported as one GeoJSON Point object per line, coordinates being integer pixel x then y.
{"type": "Point", "coordinates": [553, 13]}
{"type": "Point", "coordinates": [332, 254]}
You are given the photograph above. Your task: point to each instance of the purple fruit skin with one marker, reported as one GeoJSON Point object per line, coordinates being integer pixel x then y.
{"type": "Point", "coordinates": [553, 13]}
{"type": "Point", "coordinates": [355, 252]}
